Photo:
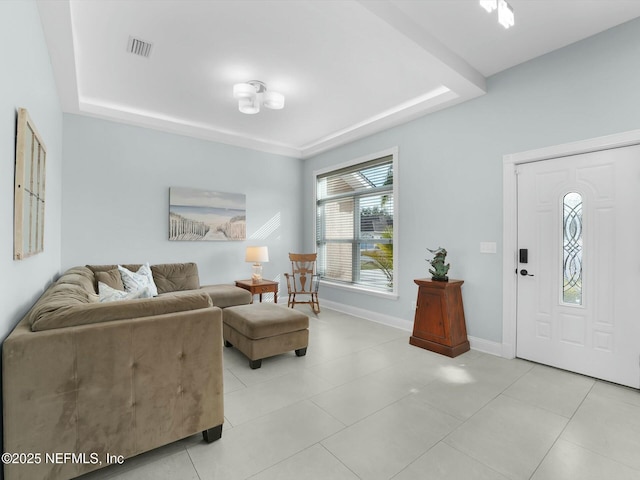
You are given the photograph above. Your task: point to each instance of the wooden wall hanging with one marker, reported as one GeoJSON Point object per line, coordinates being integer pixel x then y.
{"type": "Point", "coordinates": [31, 156]}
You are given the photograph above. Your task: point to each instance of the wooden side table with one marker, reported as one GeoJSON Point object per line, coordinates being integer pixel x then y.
{"type": "Point", "coordinates": [263, 286]}
{"type": "Point", "coordinates": [439, 323]}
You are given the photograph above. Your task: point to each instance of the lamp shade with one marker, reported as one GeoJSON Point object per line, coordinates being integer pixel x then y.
{"type": "Point", "coordinates": [243, 90]}
{"type": "Point", "coordinates": [505, 14]}
{"type": "Point", "coordinates": [257, 254]}
{"type": "Point", "coordinates": [489, 5]}
{"type": "Point", "coordinates": [273, 100]}
{"type": "Point", "coordinates": [250, 106]}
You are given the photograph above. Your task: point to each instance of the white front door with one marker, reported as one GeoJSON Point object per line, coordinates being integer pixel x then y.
{"type": "Point", "coordinates": [579, 229]}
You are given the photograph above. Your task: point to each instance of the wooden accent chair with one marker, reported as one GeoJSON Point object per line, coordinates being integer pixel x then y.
{"type": "Point", "coordinates": [303, 280]}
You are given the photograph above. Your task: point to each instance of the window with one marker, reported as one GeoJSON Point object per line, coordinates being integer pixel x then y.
{"type": "Point", "coordinates": [572, 248]}
{"type": "Point", "coordinates": [355, 225]}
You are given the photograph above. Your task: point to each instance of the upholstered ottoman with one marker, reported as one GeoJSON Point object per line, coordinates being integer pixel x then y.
{"type": "Point", "coordinates": [261, 330]}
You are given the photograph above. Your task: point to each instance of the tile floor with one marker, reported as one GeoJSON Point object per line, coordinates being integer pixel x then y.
{"type": "Point", "coordinates": [365, 404]}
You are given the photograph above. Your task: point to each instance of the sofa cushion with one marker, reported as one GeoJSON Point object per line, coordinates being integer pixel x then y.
{"type": "Point", "coordinates": [50, 313]}
{"type": "Point", "coordinates": [174, 277]}
{"type": "Point", "coordinates": [168, 277]}
{"type": "Point", "coordinates": [224, 296]}
{"type": "Point", "coordinates": [112, 278]}
{"type": "Point", "coordinates": [105, 268]}
{"type": "Point", "coordinates": [138, 280]}
{"type": "Point", "coordinates": [80, 276]}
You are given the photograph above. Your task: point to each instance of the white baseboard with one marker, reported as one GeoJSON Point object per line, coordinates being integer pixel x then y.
{"type": "Point", "coordinates": [396, 322]}
{"type": "Point", "coordinates": [486, 346]}
{"type": "Point", "coordinates": [479, 344]}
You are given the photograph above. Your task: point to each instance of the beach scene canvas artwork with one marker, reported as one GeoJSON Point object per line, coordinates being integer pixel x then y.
{"type": "Point", "coordinates": [205, 215]}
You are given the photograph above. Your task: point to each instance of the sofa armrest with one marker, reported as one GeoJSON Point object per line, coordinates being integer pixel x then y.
{"type": "Point", "coordinates": [122, 387]}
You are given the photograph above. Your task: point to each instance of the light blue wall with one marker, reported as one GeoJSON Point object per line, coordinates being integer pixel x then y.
{"type": "Point", "coordinates": [26, 80]}
{"type": "Point", "coordinates": [116, 198]}
{"type": "Point", "coordinates": [116, 177]}
{"type": "Point", "coordinates": [450, 170]}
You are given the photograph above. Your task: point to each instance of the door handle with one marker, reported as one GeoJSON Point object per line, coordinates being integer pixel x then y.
{"type": "Point", "coordinates": [524, 273]}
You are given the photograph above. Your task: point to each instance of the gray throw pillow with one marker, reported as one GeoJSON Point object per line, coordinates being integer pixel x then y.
{"type": "Point", "coordinates": [112, 278]}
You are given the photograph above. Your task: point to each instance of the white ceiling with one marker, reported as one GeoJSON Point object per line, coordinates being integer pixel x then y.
{"type": "Point", "coordinates": [347, 68]}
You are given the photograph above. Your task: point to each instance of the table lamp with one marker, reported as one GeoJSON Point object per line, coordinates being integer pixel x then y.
{"type": "Point", "coordinates": [257, 255]}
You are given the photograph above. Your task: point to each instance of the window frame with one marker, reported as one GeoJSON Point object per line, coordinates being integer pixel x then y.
{"type": "Point", "coordinates": [363, 288]}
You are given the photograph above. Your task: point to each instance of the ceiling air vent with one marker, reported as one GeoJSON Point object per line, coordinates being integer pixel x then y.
{"type": "Point", "coordinates": [139, 47]}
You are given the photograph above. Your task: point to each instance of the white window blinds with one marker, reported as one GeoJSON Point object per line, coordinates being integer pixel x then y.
{"type": "Point", "coordinates": [355, 228]}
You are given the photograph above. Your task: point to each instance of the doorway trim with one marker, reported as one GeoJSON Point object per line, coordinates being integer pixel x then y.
{"type": "Point", "coordinates": [510, 163]}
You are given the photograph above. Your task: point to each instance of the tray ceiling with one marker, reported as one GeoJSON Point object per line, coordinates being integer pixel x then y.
{"type": "Point", "coordinates": [347, 68]}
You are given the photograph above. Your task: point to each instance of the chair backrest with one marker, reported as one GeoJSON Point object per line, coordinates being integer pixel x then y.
{"type": "Point", "coordinates": [303, 268]}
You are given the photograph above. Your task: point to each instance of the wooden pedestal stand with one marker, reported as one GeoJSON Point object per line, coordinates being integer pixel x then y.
{"type": "Point", "coordinates": [439, 323]}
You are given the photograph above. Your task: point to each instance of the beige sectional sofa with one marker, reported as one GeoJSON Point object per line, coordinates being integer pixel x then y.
{"type": "Point", "coordinates": [87, 383]}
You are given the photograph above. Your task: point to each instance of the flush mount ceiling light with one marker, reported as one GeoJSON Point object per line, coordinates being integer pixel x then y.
{"type": "Point", "coordinates": [252, 94]}
{"type": "Point", "coordinates": [506, 17]}
{"type": "Point", "coordinates": [505, 14]}
{"type": "Point", "coordinates": [489, 5]}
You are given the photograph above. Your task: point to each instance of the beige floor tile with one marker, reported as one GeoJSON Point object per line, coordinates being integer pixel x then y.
{"type": "Point", "coordinates": [399, 348]}
{"type": "Point", "coordinates": [567, 461]}
{"type": "Point", "coordinates": [463, 385]}
{"type": "Point", "coordinates": [255, 446]}
{"type": "Point", "coordinates": [497, 371]}
{"type": "Point", "coordinates": [617, 392]}
{"type": "Point", "coordinates": [366, 395]}
{"type": "Point", "coordinates": [345, 335]}
{"type": "Point", "coordinates": [426, 366]}
{"type": "Point", "coordinates": [352, 366]}
{"type": "Point", "coordinates": [271, 395]}
{"type": "Point", "coordinates": [384, 443]}
{"type": "Point", "coordinates": [608, 427]}
{"type": "Point", "coordinates": [461, 398]}
{"type": "Point", "coordinates": [231, 383]}
{"type": "Point", "coordinates": [443, 462]}
{"type": "Point", "coordinates": [555, 390]}
{"type": "Point", "coordinates": [314, 463]}
{"type": "Point", "coordinates": [509, 436]}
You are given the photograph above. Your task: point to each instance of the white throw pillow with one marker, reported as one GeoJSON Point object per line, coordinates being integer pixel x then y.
{"type": "Point", "coordinates": [140, 279]}
{"type": "Point", "coordinates": [108, 294]}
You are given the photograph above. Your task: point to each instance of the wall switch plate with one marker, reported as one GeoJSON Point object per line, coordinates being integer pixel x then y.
{"type": "Point", "coordinates": [488, 247]}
